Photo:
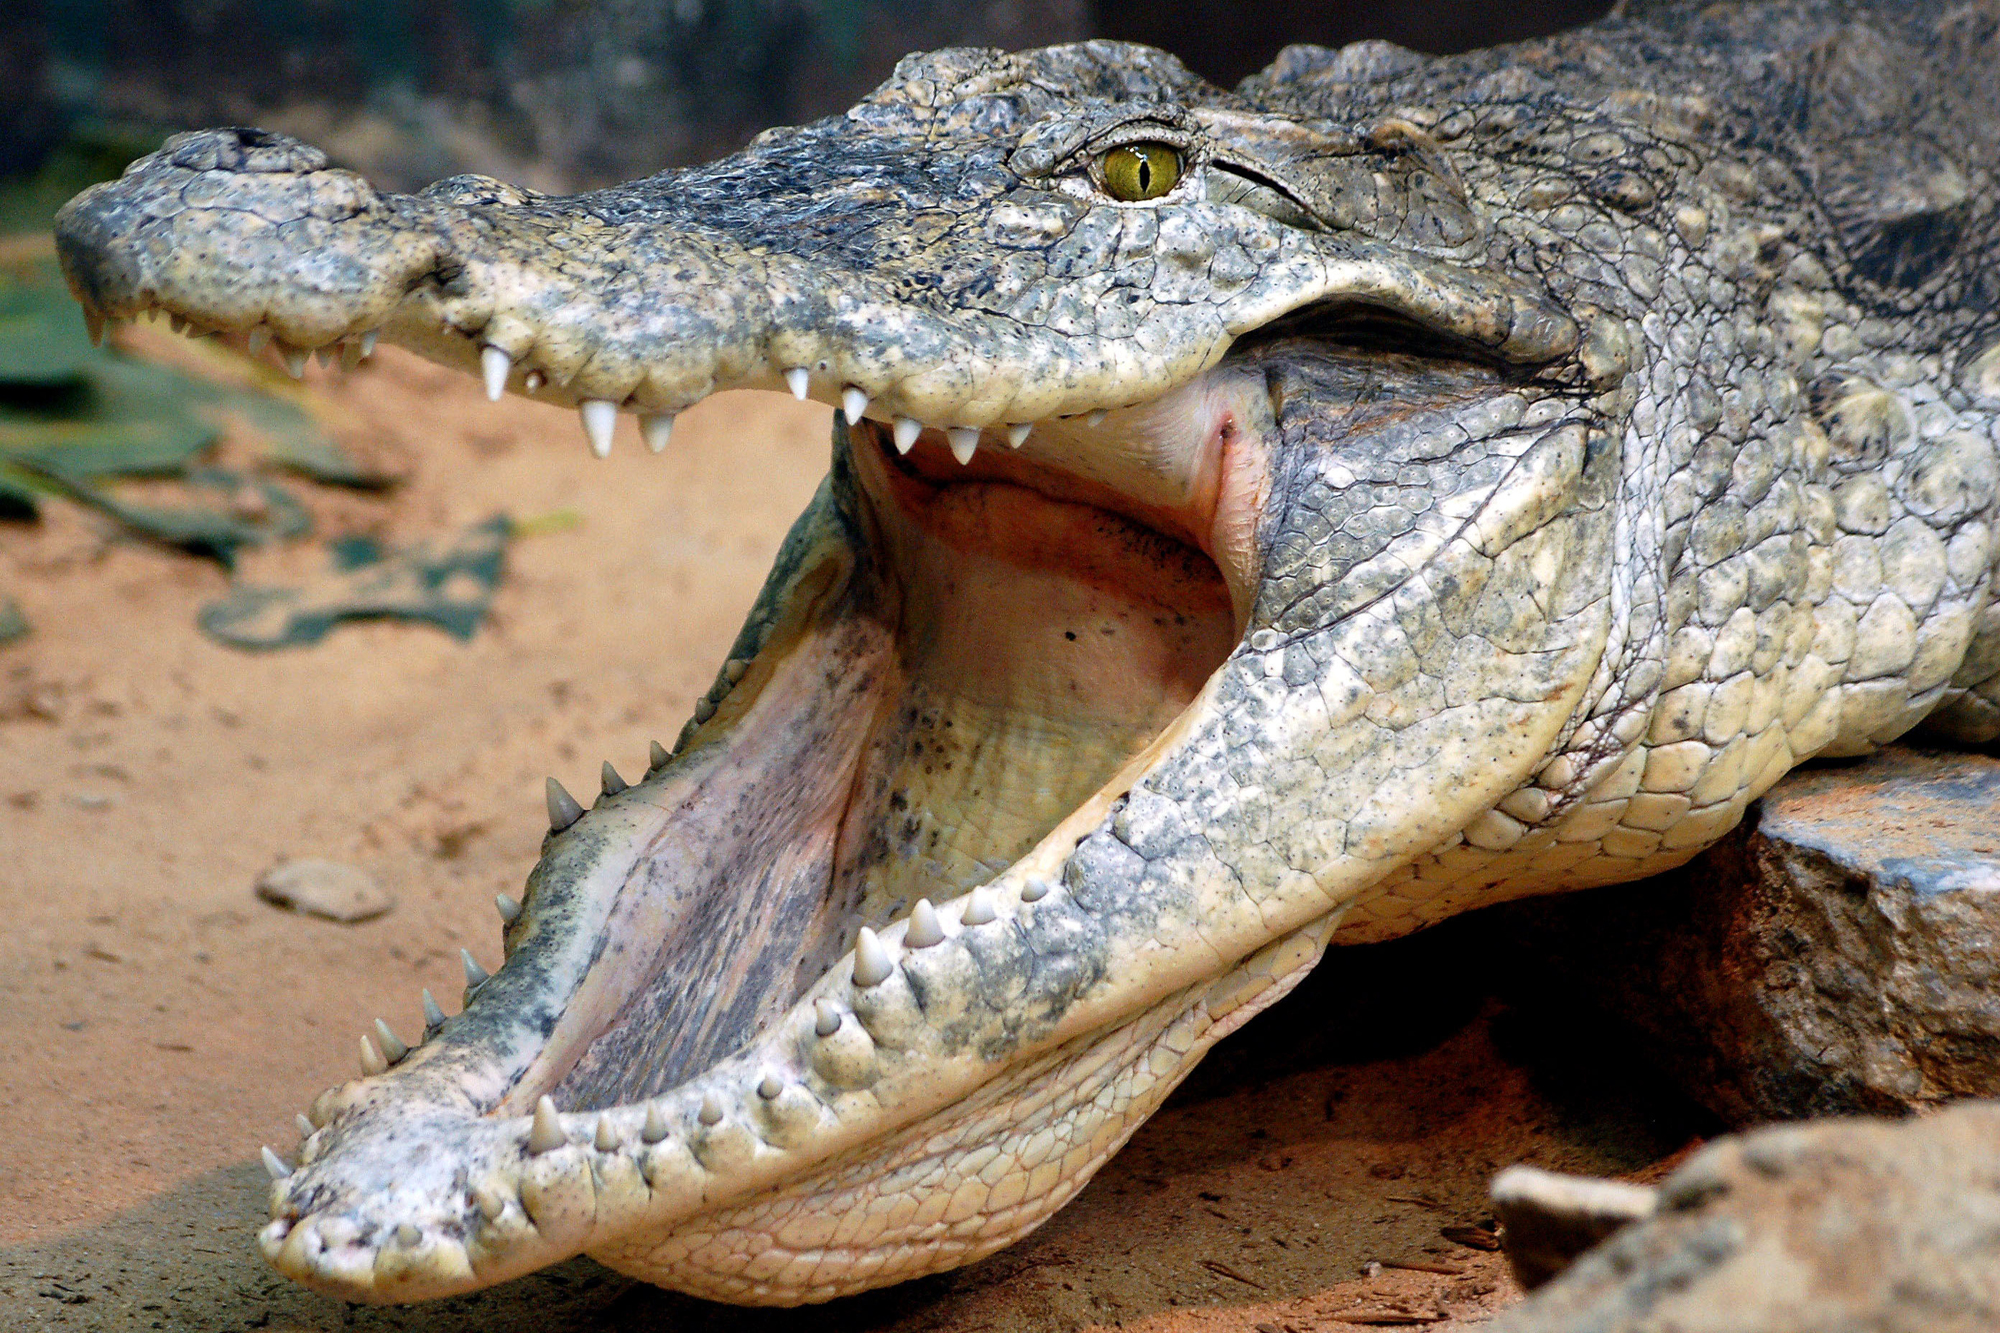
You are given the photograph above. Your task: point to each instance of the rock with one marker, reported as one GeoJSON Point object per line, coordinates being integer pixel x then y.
{"type": "Point", "coordinates": [1860, 1226]}
{"type": "Point", "coordinates": [1840, 953]}
{"type": "Point", "coordinates": [324, 888]}
{"type": "Point", "coordinates": [1547, 1219]}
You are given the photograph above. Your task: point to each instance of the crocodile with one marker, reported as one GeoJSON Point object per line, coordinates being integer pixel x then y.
{"type": "Point", "coordinates": [1257, 520]}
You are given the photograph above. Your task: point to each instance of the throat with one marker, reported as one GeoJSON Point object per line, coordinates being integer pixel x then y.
{"type": "Point", "coordinates": [1041, 645]}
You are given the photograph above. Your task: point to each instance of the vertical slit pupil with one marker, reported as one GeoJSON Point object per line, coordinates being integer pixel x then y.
{"type": "Point", "coordinates": [1145, 173]}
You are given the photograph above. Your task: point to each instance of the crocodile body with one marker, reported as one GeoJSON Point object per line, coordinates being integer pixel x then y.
{"type": "Point", "coordinates": [1258, 519]}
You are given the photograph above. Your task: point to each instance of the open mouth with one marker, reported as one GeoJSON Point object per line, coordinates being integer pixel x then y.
{"type": "Point", "coordinates": [990, 646]}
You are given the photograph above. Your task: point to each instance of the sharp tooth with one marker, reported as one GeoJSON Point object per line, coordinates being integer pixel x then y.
{"type": "Point", "coordinates": [770, 1087]}
{"type": "Point", "coordinates": [407, 1234]}
{"type": "Point", "coordinates": [1034, 890]}
{"type": "Point", "coordinates": [655, 1127]}
{"type": "Point", "coordinates": [711, 1109]}
{"type": "Point", "coordinates": [600, 418]}
{"type": "Point", "coordinates": [563, 809]}
{"type": "Point", "coordinates": [796, 377]}
{"type": "Point", "coordinates": [510, 911]}
{"type": "Point", "coordinates": [854, 403]}
{"type": "Point", "coordinates": [305, 1126]}
{"type": "Point", "coordinates": [925, 928]}
{"type": "Point", "coordinates": [871, 961]}
{"type": "Point", "coordinates": [275, 1165]}
{"type": "Point", "coordinates": [734, 670]}
{"type": "Point", "coordinates": [93, 324]}
{"type": "Point", "coordinates": [612, 783]}
{"type": "Point", "coordinates": [260, 338]}
{"type": "Point", "coordinates": [392, 1045]}
{"type": "Point", "coordinates": [606, 1138]}
{"type": "Point", "coordinates": [657, 757]}
{"type": "Point", "coordinates": [433, 1016]}
{"type": "Point", "coordinates": [494, 367]}
{"type": "Point", "coordinates": [178, 323]}
{"type": "Point", "coordinates": [1018, 435]}
{"type": "Point", "coordinates": [978, 908]}
{"type": "Point", "coordinates": [1095, 418]}
{"type": "Point", "coordinates": [475, 975]}
{"type": "Point", "coordinates": [964, 443]}
{"type": "Point", "coordinates": [703, 710]}
{"type": "Point", "coordinates": [323, 355]}
{"type": "Point", "coordinates": [533, 381]}
{"type": "Point", "coordinates": [295, 362]}
{"type": "Point", "coordinates": [826, 1017]}
{"type": "Point", "coordinates": [656, 429]}
{"type": "Point", "coordinates": [372, 1062]}
{"type": "Point", "coordinates": [907, 430]}
{"type": "Point", "coordinates": [547, 1131]}
{"type": "Point", "coordinates": [368, 343]}
{"type": "Point", "coordinates": [350, 353]}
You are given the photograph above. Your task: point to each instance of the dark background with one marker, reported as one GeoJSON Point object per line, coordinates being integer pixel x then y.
{"type": "Point", "coordinates": [569, 93]}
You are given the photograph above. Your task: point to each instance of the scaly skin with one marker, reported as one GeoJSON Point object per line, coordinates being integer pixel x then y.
{"type": "Point", "coordinates": [1693, 479]}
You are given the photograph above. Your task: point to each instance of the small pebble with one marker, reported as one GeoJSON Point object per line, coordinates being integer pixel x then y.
{"type": "Point", "coordinates": [324, 888]}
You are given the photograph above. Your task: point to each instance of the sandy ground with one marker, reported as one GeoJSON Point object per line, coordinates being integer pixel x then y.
{"type": "Point", "coordinates": [160, 1022]}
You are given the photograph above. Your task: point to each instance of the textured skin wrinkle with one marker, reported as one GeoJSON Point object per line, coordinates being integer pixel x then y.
{"type": "Point", "coordinates": [1632, 439]}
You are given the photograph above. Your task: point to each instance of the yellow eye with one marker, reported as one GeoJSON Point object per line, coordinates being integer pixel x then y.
{"type": "Point", "coordinates": [1140, 171]}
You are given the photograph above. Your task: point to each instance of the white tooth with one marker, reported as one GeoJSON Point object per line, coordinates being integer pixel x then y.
{"type": "Point", "coordinates": [657, 757]}
{"type": "Point", "coordinates": [323, 355]}
{"type": "Point", "coordinates": [826, 1019]}
{"type": "Point", "coordinates": [871, 961]}
{"type": "Point", "coordinates": [275, 1165]}
{"type": "Point", "coordinates": [600, 418]}
{"type": "Point", "coordinates": [178, 323]}
{"type": "Point", "coordinates": [392, 1045]}
{"type": "Point", "coordinates": [433, 1016]}
{"type": "Point", "coordinates": [260, 338]}
{"type": "Point", "coordinates": [533, 381]}
{"type": "Point", "coordinates": [295, 362]}
{"type": "Point", "coordinates": [657, 428]}
{"type": "Point", "coordinates": [475, 975]}
{"type": "Point", "coordinates": [609, 780]}
{"type": "Point", "coordinates": [711, 1109]}
{"type": "Point", "coordinates": [978, 908]}
{"type": "Point", "coordinates": [1095, 418]}
{"type": "Point", "coordinates": [964, 443]}
{"type": "Point", "coordinates": [655, 1127]}
{"type": "Point", "coordinates": [925, 928]}
{"type": "Point", "coordinates": [305, 1127]}
{"type": "Point", "coordinates": [796, 377]}
{"type": "Point", "coordinates": [563, 809]}
{"type": "Point", "coordinates": [494, 366]}
{"type": "Point", "coordinates": [1018, 435]}
{"type": "Point", "coordinates": [372, 1062]}
{"type": "Point", "coordinates": [547, 1131]}
{"type": "Point", "coordinates": [491, 1202]}
{"type": "Point", "coordinates": [368, 343]}
{"type": "Point", "coordinates": [854, 403]}
{"type": "Point", "coordinates": [1034, 890]}
{"type": "Point", "coordinates": [770, 1088]}
{"type": "Point", "coordinates": [510, 911]}
{"type": "Point", "coordinates": [907, 430]}
{"type": "Point", "coordinates": [606, 1139]}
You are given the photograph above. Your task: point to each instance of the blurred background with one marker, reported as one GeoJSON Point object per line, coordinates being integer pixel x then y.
{"type": "Point", "coordinates": [561, 94]}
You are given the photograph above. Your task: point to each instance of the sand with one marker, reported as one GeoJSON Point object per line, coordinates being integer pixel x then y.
{"type": "Point", "coordinates": [161, 1022]}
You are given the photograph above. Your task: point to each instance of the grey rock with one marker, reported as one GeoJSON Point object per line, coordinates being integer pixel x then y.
{"type": "Point", "coordinates": [1839, 955]}
{"type": "Point", "coordinates": [325, 889]}
{"type": "Point", "coordinates": [1845, 1226]}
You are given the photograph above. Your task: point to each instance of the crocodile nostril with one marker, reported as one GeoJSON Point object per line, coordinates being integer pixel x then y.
{"type": "Point", "coordinates": [243, 148]}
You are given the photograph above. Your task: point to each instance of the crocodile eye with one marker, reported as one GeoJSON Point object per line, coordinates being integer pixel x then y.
{"type": "Point", "coordinates": [1141, 171]}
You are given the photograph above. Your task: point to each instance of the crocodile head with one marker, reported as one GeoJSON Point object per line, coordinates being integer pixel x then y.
{"type": "Point", "coordinates": [1217, 522]}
